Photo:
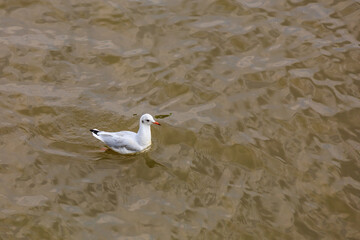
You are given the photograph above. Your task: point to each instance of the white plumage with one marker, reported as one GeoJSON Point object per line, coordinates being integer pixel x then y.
{"type": "Point", "coordinates": [126, 142]}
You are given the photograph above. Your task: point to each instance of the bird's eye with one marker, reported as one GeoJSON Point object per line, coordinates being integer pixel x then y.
{"type": "Point", "coordinates": [147, 120]}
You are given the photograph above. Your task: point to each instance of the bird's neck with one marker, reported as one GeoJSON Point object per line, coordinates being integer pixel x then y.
{"type": "Point", "coordinates": [144, 135]}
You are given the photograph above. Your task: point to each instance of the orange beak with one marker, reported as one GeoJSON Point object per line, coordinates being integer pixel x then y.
{"type": "Point", "coordinates": [156, 123]}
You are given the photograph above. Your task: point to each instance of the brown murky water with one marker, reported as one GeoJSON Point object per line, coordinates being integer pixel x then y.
{"type": "Point", "coordinates": [260, 135]}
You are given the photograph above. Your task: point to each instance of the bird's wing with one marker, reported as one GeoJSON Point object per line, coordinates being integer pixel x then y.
{"type": "Point", "coordinates": [118, 141]}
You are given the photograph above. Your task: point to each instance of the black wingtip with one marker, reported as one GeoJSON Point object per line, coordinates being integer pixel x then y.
{"type": "Point", "coordinates": [94, 131]}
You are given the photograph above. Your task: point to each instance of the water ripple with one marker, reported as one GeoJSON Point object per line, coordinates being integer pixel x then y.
{"type": "Point", "coordinates": [259, 104]}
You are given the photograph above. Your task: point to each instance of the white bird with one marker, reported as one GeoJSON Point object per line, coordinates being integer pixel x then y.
{"type": "Point", "coordinates": [126, 142]}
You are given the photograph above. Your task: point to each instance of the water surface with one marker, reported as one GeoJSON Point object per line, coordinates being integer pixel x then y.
{"type": "Point", "coordinates": [259, 103]}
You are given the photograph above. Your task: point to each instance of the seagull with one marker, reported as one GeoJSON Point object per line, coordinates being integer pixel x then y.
{"type": "Point", "coordinates": [126, 142]}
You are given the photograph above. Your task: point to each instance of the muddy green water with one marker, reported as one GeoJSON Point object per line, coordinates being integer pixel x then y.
{"type": "Point", "coordinates": [259, 103]}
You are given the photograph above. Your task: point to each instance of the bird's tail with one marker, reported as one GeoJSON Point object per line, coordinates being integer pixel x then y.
{"type": "Point", "coordinates": [94, 131]}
